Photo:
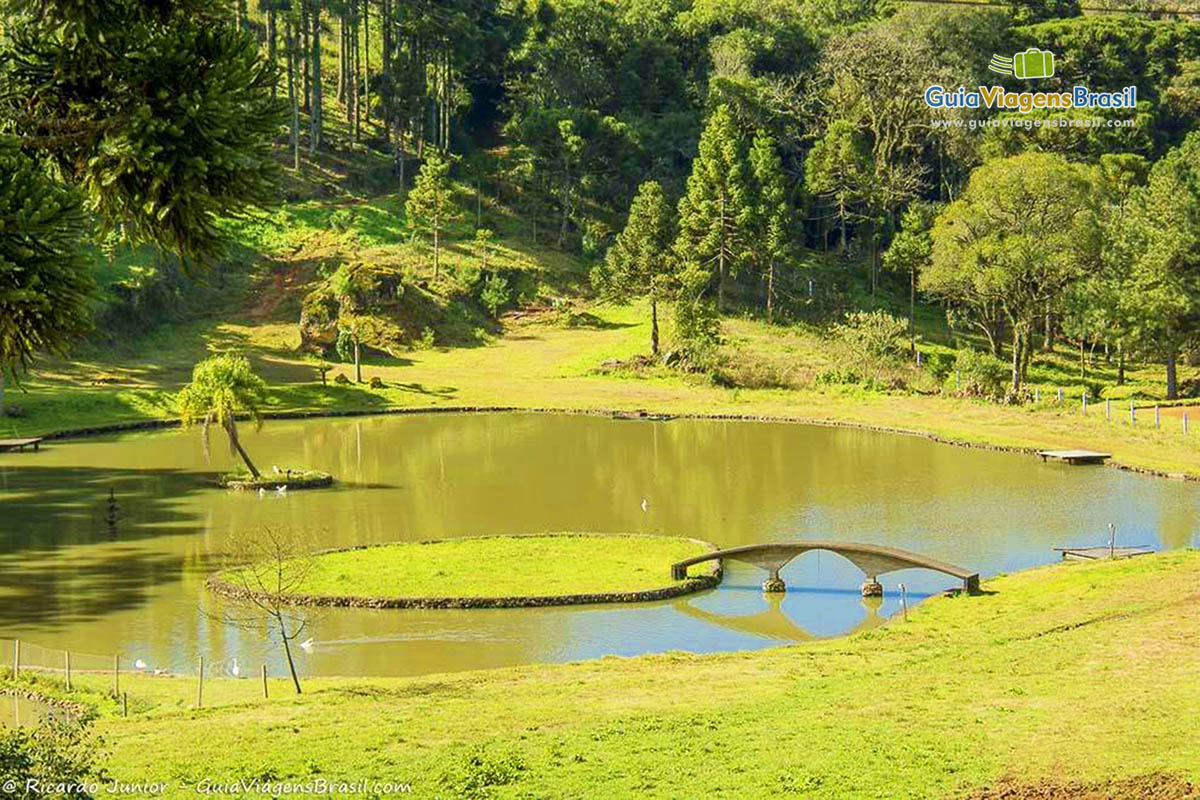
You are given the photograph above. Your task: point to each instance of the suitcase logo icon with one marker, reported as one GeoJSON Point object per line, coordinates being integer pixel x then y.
{"type": "Point", "coordinates": [1032, 63]}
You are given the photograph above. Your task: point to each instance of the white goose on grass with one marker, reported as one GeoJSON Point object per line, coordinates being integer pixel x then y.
{"type": "Point", "coordinates": [235, 669]}
{"type": "Point", "coordinates": [139, 664]}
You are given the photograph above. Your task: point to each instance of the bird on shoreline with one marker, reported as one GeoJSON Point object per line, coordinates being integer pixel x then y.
{"type": "Point", "coordinates": [307, 645]}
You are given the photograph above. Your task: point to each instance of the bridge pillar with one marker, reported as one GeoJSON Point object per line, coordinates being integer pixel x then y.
{"type": "Point", "coordinates": [774, 584]}
{"type": "Point", "coordinates": [872, 587]}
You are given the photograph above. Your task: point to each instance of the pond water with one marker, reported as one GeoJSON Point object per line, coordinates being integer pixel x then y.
{"type": "Point", "coordinates": [20, 712]}
{"type": "Point", "coordinates": [69, 579]}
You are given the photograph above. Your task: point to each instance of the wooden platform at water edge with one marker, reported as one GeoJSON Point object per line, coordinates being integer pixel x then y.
{"type": "Point", "coordinates": [19, 444]}
{"type": "Point", "coordinates": [1102, 552]}
{"type": "Point", "coordinates": [1075, 456]}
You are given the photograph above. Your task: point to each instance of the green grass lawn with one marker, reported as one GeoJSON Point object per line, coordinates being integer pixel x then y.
{"type": "Point", "coordinates": [541, 363]}
{"type": "Point", "coordinates": [1074, 671]}
{"type": "Point", "coordinates": [497, 566]}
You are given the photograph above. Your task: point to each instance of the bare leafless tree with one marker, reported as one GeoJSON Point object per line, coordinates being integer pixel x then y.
{"type": "Point", "coordinates": [267, 565]}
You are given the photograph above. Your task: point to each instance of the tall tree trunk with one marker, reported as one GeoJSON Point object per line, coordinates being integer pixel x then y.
{"type": "Point", "coordinates": [1082, 358]}
{"type": "Point", "coordinates": [357, 359]}
{"type": "Point", "coordinates": [287, 650]}
{"type": "Point", "coordinates": [1016, 359]}
{"type": "Point", "coordinates": [771, 292]}
{"type": "Point", "coordinates": [1172, 378]}
{"type": "Point", "coordinates": [912, 308]}
{"type": "Point", "coordinates": [437, 250]}
{"type": "Point", "coordinates": [293, 99]}
{"type": "Point", "coordinates": [316, 121]}
{"type": "Point", "coordinates": [366, 74]}
{"type": "Point", "coordinates": [1120, 365]}
{"type": "Point", "coordinates": [355, 67]}
{"type": "Point", "coordinates": [272, 50]}
{"type": "Point", "coordinates": [305, 52]}
{"type": "Point", "coordinates": [231, 429]}
{"type": "Point", "coordinates": [653, 326]}
{"type": "Point", "coordinates": [3, 409]}
{"type": "Point", "coordinates": [343, 47]}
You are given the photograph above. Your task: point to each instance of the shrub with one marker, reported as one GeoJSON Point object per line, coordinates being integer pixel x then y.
{"type": "Point", "coordinates": [376, 382]}
{"type": "Point", "coordinates": [873, 334]}
{"type": "Point", "coordinates": [342, 219]}
{"type": "Point", "coordinates": [495, 293]}
{"type": "Point", "coordinates": [51, 754]}
{"type": "Point", "coordinates": [983, 375]}
{"type": "Point", "coordinates": [426, 341]}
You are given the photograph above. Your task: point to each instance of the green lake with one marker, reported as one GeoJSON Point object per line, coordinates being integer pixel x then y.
{"type": "Point", "coordinates": [70, 579]}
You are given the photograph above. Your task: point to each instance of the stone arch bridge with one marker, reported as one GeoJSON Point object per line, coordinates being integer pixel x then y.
{"type": "Point", "coordinates": [874, 560]}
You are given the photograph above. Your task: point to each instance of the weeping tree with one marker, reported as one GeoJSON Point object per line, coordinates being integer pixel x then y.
{"type": "Point", "coordinates": [222, 387]}
{"type": "Point", "coordinates": [44, 281]}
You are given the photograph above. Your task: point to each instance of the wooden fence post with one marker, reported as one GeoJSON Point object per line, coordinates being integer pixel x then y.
{"type": "Point", "coordinates": [264, 679]}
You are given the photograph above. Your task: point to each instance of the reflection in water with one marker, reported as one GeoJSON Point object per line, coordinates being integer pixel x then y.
{"type": "Point", "coordinates": [21, 712]}
{"type": "Point", "coordinates": [75, 573]}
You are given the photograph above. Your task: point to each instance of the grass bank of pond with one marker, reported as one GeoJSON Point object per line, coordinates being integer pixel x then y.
{"type": "Point", "coordinates": [1074, 671]}
{"type": "Point", "coordinates": [544, 365]}
{"type": "Point", "coordinates": [484, 571]}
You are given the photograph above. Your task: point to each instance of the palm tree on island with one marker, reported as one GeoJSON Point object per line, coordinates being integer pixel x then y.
{"type": "Point", "coordinates": [222, 387]}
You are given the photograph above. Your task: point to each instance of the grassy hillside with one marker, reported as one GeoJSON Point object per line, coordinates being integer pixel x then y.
{"type": "Point", "coordinates": [1067, 673]}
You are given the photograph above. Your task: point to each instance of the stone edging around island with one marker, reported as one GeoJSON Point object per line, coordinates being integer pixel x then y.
{"type": "Point", "coordinates": [154, 424]}
{"type": "Point", "coordinates": [692, 584]}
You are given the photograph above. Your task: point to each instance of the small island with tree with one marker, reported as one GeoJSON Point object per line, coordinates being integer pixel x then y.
{"type": "Point", "coordinates": [223, 387]}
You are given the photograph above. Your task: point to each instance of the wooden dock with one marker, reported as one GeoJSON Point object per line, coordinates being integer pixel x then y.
{"type": "Point", "coordinates": [1102, 552]}
{"type": "Point", "coordinates": [19, 444]}
{"type": "Point", "coordinates": [1075, 456]}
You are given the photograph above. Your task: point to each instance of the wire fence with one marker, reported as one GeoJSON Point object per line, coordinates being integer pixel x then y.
{"type": "Point", "coordinates": [124, 686]}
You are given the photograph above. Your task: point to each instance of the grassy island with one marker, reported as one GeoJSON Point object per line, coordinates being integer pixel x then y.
{"type": "Point", "coordinates": [494, 571]}
{"type": "Point", "coordinates": [291, 479]}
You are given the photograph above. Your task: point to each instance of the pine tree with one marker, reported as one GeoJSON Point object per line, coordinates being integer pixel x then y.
{"type": "Point", "coordinates": [639, 263]}
{"type": "Point", "coordinates": [431, 203]}
{"type": "Point", "coordinates": [44, 279]}
{"type": "Point", "coordinates": [838, 169]}
{"type": "Point", "coordinates": [715, 211]}
{"type": "Point", "coordinates": [773, 219]}
{"type": "Point", "coordinates": [161, 114]}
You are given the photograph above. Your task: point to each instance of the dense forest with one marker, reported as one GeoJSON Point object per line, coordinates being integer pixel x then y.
{"type": "Point", "coordinates": [754, 157]}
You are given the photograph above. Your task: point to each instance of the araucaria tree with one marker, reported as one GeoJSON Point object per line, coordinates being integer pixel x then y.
{"type": "Point", "coordinates": [639, 263]}
{"type": "Point", "coordinates": [161, 113]}
{"type": "Point", "coordinates": [773, 219]}
{"type": "Point", "coordinates": [222, 387]}
{"type": "Point", "coordinates": [1020, 234]}
{"type": "Point", "coordinates": [431, 203]}
{"type": "Point", "coordinates": [44, 281]}
{"type": "Point", "coordinates": [717, 208]}
{"type": "Point", "coordinates": [1159, 239]}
